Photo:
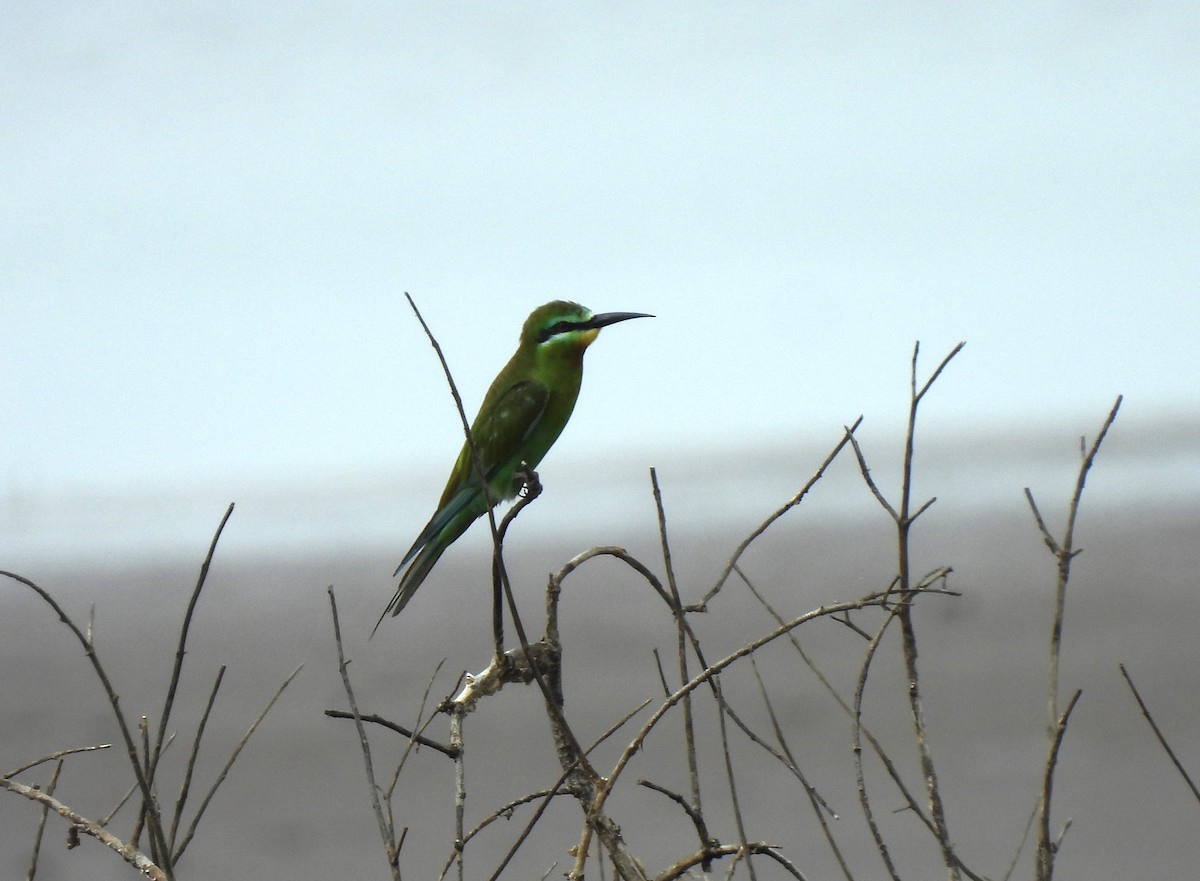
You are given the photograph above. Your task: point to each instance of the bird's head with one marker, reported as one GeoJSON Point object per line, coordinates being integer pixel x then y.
{"type": "Point", "coordinates": [562, 324]}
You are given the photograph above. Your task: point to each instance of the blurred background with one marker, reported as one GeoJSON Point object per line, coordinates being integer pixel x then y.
{"type": "Point", "coordinates": [211, 212]}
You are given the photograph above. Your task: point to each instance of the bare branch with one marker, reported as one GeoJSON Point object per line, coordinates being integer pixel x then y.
{"type": "Point", "coordinates": [130, 854]}
{"type": "Point", "coordinates": [1041, 524]}
{"type": "Point", "coordinates": [681, 642]}
{"type": "Point", "coordinates": [694, 815]}
{"type": "Point", "coordinates": [731, 779]}
{"type": "Point", "coordinates": [114, 700]}
{"type": "Point", "coordinates": [181, 650]}
{"type": "Point", "coordinates": [1158, 733]}
{"type": "Point", "coordinates": [229, 764]}
{"type": "Point", "coordinates": [850, 712]}
{"type": "Point", "coordinates": [860, 775]}
{"type": "Point", "coordinates": [556, 790]}
{"type": "Point", "coordinates": [818, 803]}
{"type": "Point", "coordinates": [791, 503]}
{"type": "Point", "coordinates": [54, 756]}
{"type": "Point", "coordinates": [936, 373]}
{"type": "Point", "coordinates": [1064, 552]}
{"type": "Point", "coordinates": [191, 762]}
{"type": "Point", "coordinates": [869, 480]}
{"type": "Point", "coordinates": [1012, 866]}
{"type": "Point", "coordinates": [476, 463]}
{"type": "Point", "coordinates": [908, 635]}
{"type": "Point", "coordinates": [39, 835]}
{"type": "Point", "coordinates": [713, 669]}
{"type": "Point", "coordinates": [386, 831]}
{"type": "Point", "coordinates": [737, 851]}
{"type": "Point", "coordinates": [1047, 850]}
{"type": "Point", "coordinates": [399, 729]}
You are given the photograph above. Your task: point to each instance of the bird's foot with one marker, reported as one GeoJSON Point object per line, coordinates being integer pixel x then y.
{"type": "Point", "coordinates": [531, 485]}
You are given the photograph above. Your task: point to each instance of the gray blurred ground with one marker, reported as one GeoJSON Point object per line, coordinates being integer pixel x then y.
{"type": "Point", "coordinates": [295, 804]}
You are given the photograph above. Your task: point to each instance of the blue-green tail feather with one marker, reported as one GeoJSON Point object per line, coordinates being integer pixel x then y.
{"type": "Point", "coordinates": [439, 521]}
{"type": "Point", "coordinates": [413, 576]}
{"type": "Point", "coordinates": [447, 524]}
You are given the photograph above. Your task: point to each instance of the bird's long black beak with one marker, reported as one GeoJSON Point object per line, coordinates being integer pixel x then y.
{"type": "Point", "coordinates": [604, 319]}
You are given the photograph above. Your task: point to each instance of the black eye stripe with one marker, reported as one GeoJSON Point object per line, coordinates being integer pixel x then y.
{"type": "Point", "coordinates": [555, 329]}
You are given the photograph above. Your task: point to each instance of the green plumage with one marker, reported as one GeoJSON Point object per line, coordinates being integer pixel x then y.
{"type": "Point", "coordinates": [522, 415]}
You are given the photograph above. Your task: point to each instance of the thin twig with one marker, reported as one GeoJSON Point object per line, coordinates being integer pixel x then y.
{"type": "Point", "coordinates": [114, 700]}
{"type": "Point", "coordinates": [819, 805]}
{"type": "Point", "coordinates": [689, 734]}
{"type": "Point", "coordinates": [36, 849]}
{"type": "Point", "coordinates": [192, 756]}
{"type": "Point", "coordinates": [411, 745]}
{"type": "Point", "coordinates": [731, 779]}
{"type": "Point", "coordinates": [908, 635]}
{"type": "Point", "coordinates": [737, 851]}
{"type": "Point", "coordinates": [181, 649]}
{"type": "Point", "coordinates": [54, 756]}
{"type": "Point", "coordinates": [551, 692]}
{"type": "Point", "coordinates": [860, 775]}
{"type": "Point", "coordinates": [622, 555]}
{"type": "Point", "coordinates": [787, 506]}
{"type": "Point", "coordinates": [1047, 849]}
{"type": "Point", "coordinates": [888, 764]}
{"type": "Point", "coordinates": [457, 719]}
{"type": "Point", "coordinates": [555, 790]}
{"type": "Point", "coordinates": [130, 854]}
{"type": "Point", "coordinates": [1158, 733]}
{"type": "Point", "coordinates": [476, 462]}
{"type": "Point", "coordinates": [1012, 866]}
{"type": "Point", "coordinates": [399, 729]}
{"type": "Point", "coordinates": [589, 793]}
{"type": "Point", "coordinates": [108, 818]}
{"type": "Point", "coordinates": [1064, 552]}
{"type": "Point", "coordinates": [501, 584]}
{"type": "Point", "coordinates": [708, 672]}
{"type": "Point", "coordinates": [237, 750]}
{"type": "Point", "coordinates": [150, 812]}
{"type": "Point", "coordinates": [869, 480]}
{"type": "Point", "coordinates": [386, 831]}
{"type": "Point", "coordinates": [695, 816]}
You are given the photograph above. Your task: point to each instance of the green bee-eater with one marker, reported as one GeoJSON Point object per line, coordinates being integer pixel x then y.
{"type": "Point", "coordinates": [522, 415]}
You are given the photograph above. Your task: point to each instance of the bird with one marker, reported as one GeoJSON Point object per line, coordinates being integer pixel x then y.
{"type": "Point", "coordinates": [523, 412]}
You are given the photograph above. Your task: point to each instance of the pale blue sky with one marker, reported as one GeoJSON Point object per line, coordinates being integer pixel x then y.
{"type": "Point", "coordinates": [211, 210]}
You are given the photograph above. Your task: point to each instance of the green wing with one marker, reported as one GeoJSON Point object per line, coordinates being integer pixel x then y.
{"type": "Point", "coordinates": [500, 432]}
